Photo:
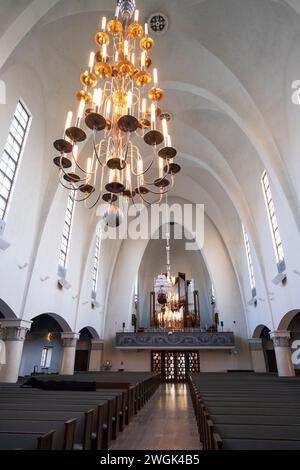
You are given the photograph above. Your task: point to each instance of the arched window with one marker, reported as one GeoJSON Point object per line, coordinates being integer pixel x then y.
{"type": "Point", "coordinates": [13, 151]}
{"type": "Point", "coordinates": [249, 261]}
{"type": "Point", "coordinates": [273, 220]}
{"type": "Point", "coordinates": [63, 254]}
{"type": "Point", "coordinates": [96, 263]}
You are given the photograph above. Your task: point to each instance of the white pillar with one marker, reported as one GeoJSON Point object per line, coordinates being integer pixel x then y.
{"type": "Point", "coordinates": [257, 355]}
{"type": "Point", "coordinates": [69, 351]}
{"type": "Point", "coordinates": [281, 341]}
{"type": "Point", "coordinates": [14, 334]}
{"type": "Point", "coordinates": [96, 355]}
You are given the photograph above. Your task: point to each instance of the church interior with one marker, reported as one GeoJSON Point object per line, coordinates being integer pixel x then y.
{"type": "Point", "coordinates": [149, 225]}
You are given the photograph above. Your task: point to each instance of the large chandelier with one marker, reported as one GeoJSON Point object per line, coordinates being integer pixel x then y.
{"type": "Point", "coordinates": [170, 312]}
{"type": "Point", "coordinates": [118, 104]}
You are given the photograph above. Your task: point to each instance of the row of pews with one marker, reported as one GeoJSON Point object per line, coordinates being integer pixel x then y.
{"type": "Point", "coordinates": [42, 419]}
{"type": "Point", "coordinates": [237, 411]}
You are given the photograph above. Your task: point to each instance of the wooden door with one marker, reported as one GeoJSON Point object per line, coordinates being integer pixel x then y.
{"type": "Point", "coordinates": [174, 366]}
{"type": "Point", "coordinates": [81, 361]}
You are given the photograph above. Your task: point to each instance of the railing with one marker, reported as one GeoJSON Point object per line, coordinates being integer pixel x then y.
{"type": "Point", "coordinates": [176, 340]}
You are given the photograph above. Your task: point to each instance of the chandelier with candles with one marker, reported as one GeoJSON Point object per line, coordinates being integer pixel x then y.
{"type": "Point", "coordinates": [118, 104]}
{"type": "Point", "coordinates": [170, 311]}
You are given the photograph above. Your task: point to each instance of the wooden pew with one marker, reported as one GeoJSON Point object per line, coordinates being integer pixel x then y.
{"type": "Point", "coordinates": [64, 431]}
{"type": "Point", "coordinates": [26, 441]}
{"type": "Point", "coordinates": [246, 414]}
{"type": "Point", "coordinates": [84, 426]}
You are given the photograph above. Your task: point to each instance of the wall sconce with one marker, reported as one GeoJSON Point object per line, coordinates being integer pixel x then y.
{"type": "Point", "coordinates": [50, 337]}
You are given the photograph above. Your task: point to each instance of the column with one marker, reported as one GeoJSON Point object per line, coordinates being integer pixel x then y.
{"type": "Point", "coordinates": [257, 355]}
{"type": "Point", "coordinates": [96, 355]}
{"type": "Point", "coordinates": [68, 355]}
{"type": "Point", "coordinates": [281, 341]}
{"type": "Point", "coordinates": [14, 334]}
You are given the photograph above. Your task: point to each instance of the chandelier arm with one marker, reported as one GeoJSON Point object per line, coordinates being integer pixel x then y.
{"type": "Point", "coordinates": [72, 188]}
{"type": "Point", "coordinates": [127, 149]}
{"type": "Point", "coordinates": [84, 199]}
{"type": "Point", "coordinates": [151, 203]}
{"type": "Point", "coordinates": [146, 171]}
{"type": "Point", "coordinates": [62, 170]}
{"type": "Point", "coordinates": [67, 174]}
{"type": "Point", "coordinates": [95, 149]}
{"type": "Point", "coordinates": [94, 205]}
{"type": "Point", "coordinates": [151, 183]}
{"type": "Point", "coordinates": [162, 192]}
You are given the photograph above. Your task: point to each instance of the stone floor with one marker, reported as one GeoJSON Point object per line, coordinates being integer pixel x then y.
{"type": "Point", "coordinates": [167, 422]}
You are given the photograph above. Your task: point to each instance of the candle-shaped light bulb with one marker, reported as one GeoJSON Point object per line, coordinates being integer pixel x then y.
{"type": "Point", "coordinates": [161, 167]}
{"type": "Point", "coordinates": [80, 112]}
{"type": "Point", "coordinates": [75, 152]}
{"type": "Point", "coordinates": [144, 107]}
{"type": "Point", "coordinates": [140, 168]}
{"type": "Point", "coordinates": [88, 169]}
{"type": "Point", "coordinates": [143, 60]}
{"type": "Point", "coordinates": [133, 58]}
{"type": "Point", "coordinates": [111, 176]}
{"type": "Point", "coordinates": [117, 12]}
{"type": "Point", "coordinates": [136, 16]}
{"type": "Point", "coordinates": [104, 52]}
{"type": "Point", "coordinates": [108, 109]}
{"type": "Point", "coordinates": [129, 102]}
{"type": "Point", "coordinates": [153, 116]}
{"type": "Point", "coordinates": [91, 61]}
{"type": "Point", "coordinates": [69, 120]}
{"type": "Point", "coordinates": [117, 57]}
{"type": "Point", "coordinates": [97, 99]}
{"type": "Point", "coordinates": [155, 77]}
{"type": "Point", "coordinates": [165, 130]}
{"type": "Point", "coordinates": [126, 49]}
{"type": "Point", "coordinates": [128, 176]}
{"type": "Point", "coordinates": [146, 29]}
{"type": "Point", "coordinates": [169, 141]}
{"type": "Point", "coordinates": [104, 23]}
{"type": "Point", "coordinates": [89, 165]}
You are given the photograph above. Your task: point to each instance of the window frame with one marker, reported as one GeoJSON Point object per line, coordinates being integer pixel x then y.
{"type": "Point", "coordinates": [249, 260]}
{"type": "Point", "coordinates": [67, 231]}
{"type": "Point", "coordinates": [97, 252]}
{"type": "Point", "coordinates": [16, 161]}
{"type": "Point", "coordinates": [272, 218]}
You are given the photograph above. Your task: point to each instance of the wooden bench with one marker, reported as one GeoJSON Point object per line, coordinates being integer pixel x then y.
{"type": "Point", "coordinates": [26, 441]}
{"type": "Point", "coordinates": [64, 430]}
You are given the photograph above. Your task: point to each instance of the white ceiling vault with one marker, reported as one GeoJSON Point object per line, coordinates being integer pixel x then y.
{"type": "Point", "coordinates": [227, 67]}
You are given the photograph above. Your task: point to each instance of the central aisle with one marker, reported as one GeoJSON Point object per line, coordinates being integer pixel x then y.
{"type": "Point", "coordinates": [167, 422]}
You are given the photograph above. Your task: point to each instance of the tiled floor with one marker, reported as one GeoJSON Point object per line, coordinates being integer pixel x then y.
{"type": "Point", "coordinates": [167, 422]}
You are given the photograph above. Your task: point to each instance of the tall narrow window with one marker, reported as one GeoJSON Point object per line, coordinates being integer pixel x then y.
{"type": "Point", "coordinates": [11, 156]}
{"type": "Point", "coordinates": [46, 358]}
{"type": "Point", "coordinates": [249, 260]}
{"type": "Point", "coordinates": [213, 295]}
{"type": "Point", "coordinates": [272, 219]}
{"type": "Point", "coordinates": [96, 262]}
{"type": "Point", "coordinates": [63, 255]}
